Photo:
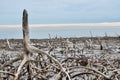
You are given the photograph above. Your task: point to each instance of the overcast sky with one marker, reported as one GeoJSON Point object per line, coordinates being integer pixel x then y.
{"type": "Point", "coordinates": [60, 11]}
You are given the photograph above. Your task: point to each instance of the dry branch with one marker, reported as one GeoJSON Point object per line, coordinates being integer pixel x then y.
{"type": "Point", "coordinates": [10, 62]}
{"type": "Point", "coordinates": [7, 73]}
{"type": "Point", "coordinates": [8, 43]}
{"type": "Point", "coordinates": [36, 50]}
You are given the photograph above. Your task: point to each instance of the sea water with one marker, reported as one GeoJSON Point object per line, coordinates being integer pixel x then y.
{"type": "Point", "coordinates": [66, 32]}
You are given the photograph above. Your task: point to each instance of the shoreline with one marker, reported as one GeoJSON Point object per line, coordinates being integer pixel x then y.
{"type": "Point", "coordinates": [79, 25]}
{"type": "Point", "coordinates": [76, 38]}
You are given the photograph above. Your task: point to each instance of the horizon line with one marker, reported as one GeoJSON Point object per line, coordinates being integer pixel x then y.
{"type": "Point", "coordinates": [102, 24]}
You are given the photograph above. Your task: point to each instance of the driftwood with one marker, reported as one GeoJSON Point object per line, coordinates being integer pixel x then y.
{"type": "Point", "coordinates": [8, 43]}
{"type": "Point", "coordinates": [28, 48]}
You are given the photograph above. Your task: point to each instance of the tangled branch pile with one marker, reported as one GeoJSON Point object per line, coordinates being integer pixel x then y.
{"type": "Point", "coordinates": [59, 58]}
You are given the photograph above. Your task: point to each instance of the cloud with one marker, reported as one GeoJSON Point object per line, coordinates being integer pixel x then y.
{"type": "Point", "coordinates": [62, 11]}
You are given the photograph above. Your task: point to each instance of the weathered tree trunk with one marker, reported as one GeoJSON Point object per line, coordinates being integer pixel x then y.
{"type": "Point", "coordinates": [26, 40]}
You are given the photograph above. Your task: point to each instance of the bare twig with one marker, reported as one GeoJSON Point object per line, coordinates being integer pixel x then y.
{"type": "Point", "coordinates": [10, 62]}
{"type": "Point", "coordinates": [8, 43]}
{"type": "Point", "coordinates": [7, 73]}
{"type": "Point", "coordinates": [34, 49]}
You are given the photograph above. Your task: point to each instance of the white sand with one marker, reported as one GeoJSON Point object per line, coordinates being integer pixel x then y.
{"type": "Point", "coordinates": [84, 25]}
